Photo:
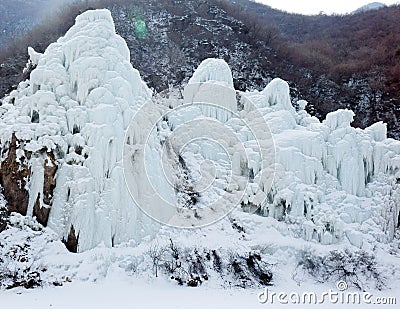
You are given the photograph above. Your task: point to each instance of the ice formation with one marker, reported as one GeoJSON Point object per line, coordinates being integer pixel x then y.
{"type": "Point", "coordinates": [212, 84]}
{"type": "Point", "coordinates": [77, 104]}
{"type": "Point", "coordinates": [333, 183]}
{"type": "Point", "coordinates": [336, 181]}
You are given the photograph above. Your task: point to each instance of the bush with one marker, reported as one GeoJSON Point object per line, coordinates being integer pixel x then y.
{"type": "Point", "coordinates": [250, 269]}
{"type": "Point", "coordinates": [358, 269]}
{"type": "Point", "coordinates": [193, 266]}
{"type": "Point", "coordinates": [17, 269]}
{"type": "Point", "coordinates": [185, 267]}
{"type": "Point", "coordinates": [21, 251]}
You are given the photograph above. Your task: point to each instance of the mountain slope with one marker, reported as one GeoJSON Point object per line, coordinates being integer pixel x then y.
{"type": "Point", "coordinates": [369, 7]}
{"type": "Point", "coordinates": [20, 16]}
{"type": "Point", "coordinates": [349, 61]}
{"type": "Point", "coordinates": [332, 61]}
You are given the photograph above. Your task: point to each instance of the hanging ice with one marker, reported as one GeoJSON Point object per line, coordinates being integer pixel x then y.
{"type": "Point", "coordinates": [82, 95]}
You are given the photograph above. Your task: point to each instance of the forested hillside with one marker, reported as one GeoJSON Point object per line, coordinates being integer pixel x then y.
{"type": "Point", "coordinates": [350, 61]}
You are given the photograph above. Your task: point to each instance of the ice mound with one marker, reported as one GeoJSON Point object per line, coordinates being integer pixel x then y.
{"type": "Point", "coordinates": [213, 70]}
{"type": "Point", "coordinates": [76, 106]}
{"type": "Point", "coordinates": [277, 93]}
{"type": "Point", "coordinates": [330, 177]}
{"type": "Point", "coordinates": [212, 85]}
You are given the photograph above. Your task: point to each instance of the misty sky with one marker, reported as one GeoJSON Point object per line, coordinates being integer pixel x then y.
{"type": "Point", "coordinates": [292, 6]}
{"type": "Point", "coordinates": [314, 7]}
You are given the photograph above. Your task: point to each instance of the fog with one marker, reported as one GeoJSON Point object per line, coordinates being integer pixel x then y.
{"type": "Point", "coordinates": [315, 7]}
{"type": "Point", "coordinates": [19, 16]}
{"type": "Point", "coordinates": [47, 7]}
{"type": "Point", "coordinates": [36, 9]}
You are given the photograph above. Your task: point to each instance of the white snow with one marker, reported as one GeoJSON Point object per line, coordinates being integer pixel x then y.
{"type": "Point", "coordinates": [329, 177]}
{"type": "Point", "coordinates": [123, 276]}
{"type": "Point", "coordinates": [84, 93]}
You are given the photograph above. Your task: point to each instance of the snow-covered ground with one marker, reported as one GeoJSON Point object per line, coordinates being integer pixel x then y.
{"type": "Point", "coordinates": [124, 277]}
{"type": "Point", "coordinates": [125, 293]}
{"type": "Point", "coordinates": [120, 293]}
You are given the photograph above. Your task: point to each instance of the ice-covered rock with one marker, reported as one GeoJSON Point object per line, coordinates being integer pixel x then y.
{"type": "Point", "coordinates": [316, 161]}
{"type": "Point", "coordinates": [77, 106]}
{"type": "Point", "coordinates": [277, 94]}
{"type": "Point", "coordinates": [339, 119]}
{"type": "Point", "coordinates": [326, 173]}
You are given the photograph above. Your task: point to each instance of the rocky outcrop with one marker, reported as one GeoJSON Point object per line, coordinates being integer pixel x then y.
{"type": "Point", "coordinates": [3, 218]}
{"type": "Point", "coordinates": [42, 206]}
{"type": "Point", "coordinates": [71, 243]}
{"type": "Point", "coordinates": [14, 176]}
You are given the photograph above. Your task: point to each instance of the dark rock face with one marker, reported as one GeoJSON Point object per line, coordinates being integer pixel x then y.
{"type": "Point", "coordinates": [398, 220]}
{"type": "Point", "coordinates": [72, 241]}
{"type": "Point", "coordinates": [14, 176]}
{"type": "Point", "coordinates": [42, 212]}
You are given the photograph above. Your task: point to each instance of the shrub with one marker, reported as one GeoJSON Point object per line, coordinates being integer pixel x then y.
{"type": "Point", "coordinates": [17, 268]}
{"type": "Point", "coordinates": [193, 266]}
{"type": "Point", "coordinates": [358, 269]}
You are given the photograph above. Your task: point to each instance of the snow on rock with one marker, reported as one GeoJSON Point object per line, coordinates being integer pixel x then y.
{"type": "Point", "coordinates": [339, 119]}
{"type": "Point", "coordinates": [378, 131]}
{"type": "Point", "coordinates": [277, 93]}
{"type": "Point", "coordinates": [329, 176]}
{"type": "Point", "coordinates": [168, 155]}
{"type": "Point", "coordinates": [77, 105]}
{"type": "Point", "coordinates": [34, 56]}
{"type": "Point", "coordinates": [316, 161]}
